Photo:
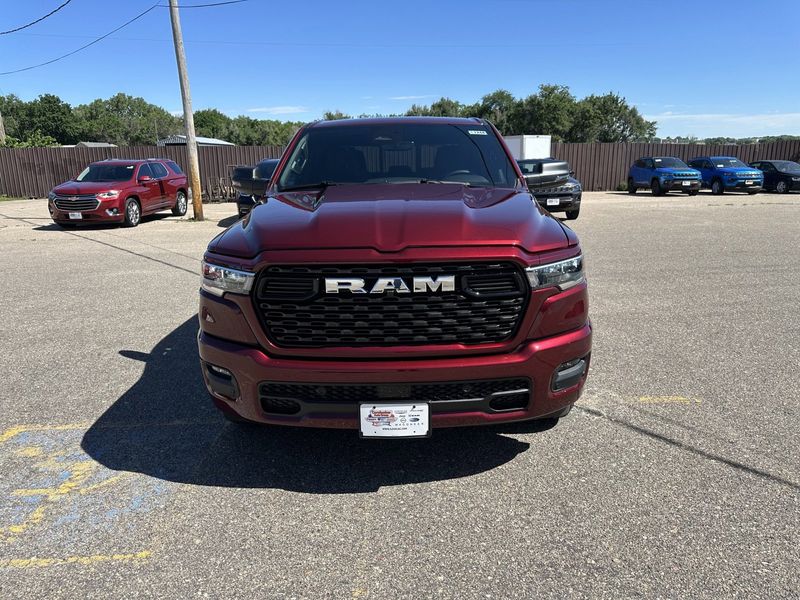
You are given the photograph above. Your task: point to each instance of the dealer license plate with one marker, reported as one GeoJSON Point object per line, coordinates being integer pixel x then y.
{"type": "Point", "coordinates": [394, 420]}
{"type": "Point", "coordinates": [687, 183]}
{"type": "Point", "coordinates": [748, 182]}
{"type": "Point", "coordinates": [75, 216]}
{"type": "Point", "coordinates": [552, 201]}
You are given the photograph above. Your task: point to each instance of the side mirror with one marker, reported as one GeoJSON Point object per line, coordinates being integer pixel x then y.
{"type": "Point", "coordinates": [572, 173]}
{"type": "Point", "coordinates": [145, 179]}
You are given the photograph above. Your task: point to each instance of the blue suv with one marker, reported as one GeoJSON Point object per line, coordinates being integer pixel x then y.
{"type": "Point", "coordinates": [728, 173]}
{"type": "Point", "coordinates": [662, 174]}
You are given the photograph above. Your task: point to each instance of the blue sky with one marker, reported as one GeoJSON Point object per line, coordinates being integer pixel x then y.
{"type": "Point", "coordinates": [699, 68]}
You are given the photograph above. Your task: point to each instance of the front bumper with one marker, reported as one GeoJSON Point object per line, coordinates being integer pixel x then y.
{"type": "Point", "coordinates": [566, 201]}
{"type": "Point", "coordinates": [106, 212]}
{"type": "Point", "coordinates": [742, 185]}
{"type": "Point", "coordinates": [677, 185]}
{"type": "Point", "coordinates": [536, 361]}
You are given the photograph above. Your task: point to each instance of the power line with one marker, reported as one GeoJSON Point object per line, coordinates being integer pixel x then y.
{"type": "Point", "coordinates": [52, 12]}
{"type": "Point", "coordinates": [102, 37]}
{"type": "Point", "coordinates": [92, 43]}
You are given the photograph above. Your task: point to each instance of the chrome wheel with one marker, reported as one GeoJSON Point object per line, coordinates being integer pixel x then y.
{"type": "Point", "coordinates": [180, 205]}
{"type": "Point", "coordinates": [781, 188]}
{"type": "Point", "coordinates": [132, 213]}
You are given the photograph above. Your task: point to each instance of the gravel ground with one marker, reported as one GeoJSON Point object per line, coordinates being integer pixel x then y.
{"type": "Point", "coordinates": [676, 476]}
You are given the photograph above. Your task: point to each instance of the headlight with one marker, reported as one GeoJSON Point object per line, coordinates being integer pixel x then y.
{"type": "Point", "coordinates": [573, 186]}
{"type": "Point", "coordinates": [107, 195]}
{"type": "Point", "coordinates": [666, 176]}
{"type": "Point", "coordinates": [217, 280]}
{"type": "Point", "coordinates": [563, 274]}
{"type": "Point", "coordinates": [51, 196]}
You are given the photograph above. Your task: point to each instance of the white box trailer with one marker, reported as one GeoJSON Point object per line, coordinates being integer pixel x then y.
{"type": "Point", "coordinates": [528, 146]}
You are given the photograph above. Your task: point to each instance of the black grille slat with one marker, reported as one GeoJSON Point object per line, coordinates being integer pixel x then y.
{"type": "Point", "coordinates": [497, 394]}
{"type": "Point", "coordinates": [487, 306]}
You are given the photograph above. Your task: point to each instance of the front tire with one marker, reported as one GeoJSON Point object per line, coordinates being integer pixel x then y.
{"type": "Point", "coordinates": [133, 213]}
{"type": "Point", "coordinates": [180, 205]}
{"type": "Point", "coordinates": [717, 188]}
{"type": "Point", "coordinates": [655, 188]}
{"type": "Point", "coordinates": [631, 186]}
{"type": "Point", "coordinates": [573, 214]}
{"type": "Point", "coordinates": [782, 187]}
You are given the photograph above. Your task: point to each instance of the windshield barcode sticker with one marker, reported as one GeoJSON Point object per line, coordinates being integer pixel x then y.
{"type": "Point", "coordinates": [477, 132]}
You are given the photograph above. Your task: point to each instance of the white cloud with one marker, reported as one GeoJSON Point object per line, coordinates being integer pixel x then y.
{"type": "Point", "coordinates": [412, 97]}
{"type": "Point", "coordinates": [726, 124]}
{"type": "Point", "coordinates": [279, 110]}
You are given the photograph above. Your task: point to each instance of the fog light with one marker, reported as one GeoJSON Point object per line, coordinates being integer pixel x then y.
{"type": "Point", "coordinates": [568, 374]}
{"type": "Point", "coordinates": [112, 212]}
{"type": "Point", "coordinates": [222, 382]}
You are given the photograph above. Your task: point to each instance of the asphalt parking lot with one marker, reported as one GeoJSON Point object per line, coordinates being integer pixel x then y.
{"type": "Point", "coordinates": [677, 476]}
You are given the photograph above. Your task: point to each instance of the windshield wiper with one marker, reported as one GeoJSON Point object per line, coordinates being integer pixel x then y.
{"type": "Point", "coordinates": [464, 183]}
{"type": "Point", "coordinates": [323, 185]}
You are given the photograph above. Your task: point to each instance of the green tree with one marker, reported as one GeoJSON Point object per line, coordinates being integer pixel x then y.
{"type": "Point", "coordinates": [49, 116]}
{"type": "Point", "coordinates": [443, 107]}
{"type": "Point", "coordinates": [334, 115]}
{"type": "Point", "coordinates": [126, 121]}
{"type": "Point", "coordinates": [550, 111]}
{"type": "Point", "coordinates": [499, 107]}
{"type": "Point", "coordinates": [212, 123]}
{"type": "Point", "coordinates": [609, 118]}
{"type": "Point", "coordinates": [34, 140]}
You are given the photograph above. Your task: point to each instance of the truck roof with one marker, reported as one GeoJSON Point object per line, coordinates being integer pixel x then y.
{"type": "Point", "coordinates": [400, 120]}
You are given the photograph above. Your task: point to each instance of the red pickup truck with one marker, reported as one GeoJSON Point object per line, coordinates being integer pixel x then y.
{"type": "Point", "coordinates": [398, 277]}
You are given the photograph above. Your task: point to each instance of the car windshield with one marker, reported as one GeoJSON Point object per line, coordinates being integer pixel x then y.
{"type": "Point", "coordinates": [398, 153]}
{"type": "Point", "coordinates": [669, 162]}
{"type": "Point", "coordinates": [98, 173]}
{"type": "Point", "coordinates": [786, 166]}
{"type": "Point", "coordinates": [722, 163]}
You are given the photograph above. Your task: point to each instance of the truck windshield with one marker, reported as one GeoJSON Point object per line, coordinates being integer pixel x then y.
{"type": "Point", "coordinates": [668, 162]}
{"type": "Point", "coordinates": [398, 153]}
{"type": "Point", "coordinates": [98, 173]}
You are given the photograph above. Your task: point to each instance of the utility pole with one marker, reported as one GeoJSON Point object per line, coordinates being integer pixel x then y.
{"type": "Point", "coordinates": [188, 116]}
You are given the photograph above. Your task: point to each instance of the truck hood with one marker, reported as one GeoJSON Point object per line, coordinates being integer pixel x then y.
{"type": "Point", "coordinates": [390, 218]}
{"type": "Point", "coordinates": [741, 171]}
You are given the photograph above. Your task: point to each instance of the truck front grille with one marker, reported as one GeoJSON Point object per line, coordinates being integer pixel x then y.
{"type": "Point", "coordinates": [486, 306]}
{"type": "Point", "coordinates": [493, 395]}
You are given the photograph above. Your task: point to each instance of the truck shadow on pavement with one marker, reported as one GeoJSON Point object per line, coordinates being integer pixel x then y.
{"type": "Point", "coordinates": [165, 426]}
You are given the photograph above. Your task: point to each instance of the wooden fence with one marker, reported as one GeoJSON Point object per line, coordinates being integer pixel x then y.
{"type": "Point", "coordinates": [33, 172]}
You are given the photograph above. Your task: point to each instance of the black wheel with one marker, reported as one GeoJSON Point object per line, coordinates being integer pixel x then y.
{"type": "Point", "coordinates": [693, 192]}
{"type": "Point", "coordinates": [655, 188]}
{"type": "Point", "coordinates": [573, 214]}
{"type": "Point", "coordinates": [133, 213]}
{"type": "Point", "coordinates": [717, 188]}
{"type": "Point", "coordinates": [782, 187]}
{"type": "Point", "coordinates": [631, 186]}
{"type": "Point", "coordinates": [180, 205]}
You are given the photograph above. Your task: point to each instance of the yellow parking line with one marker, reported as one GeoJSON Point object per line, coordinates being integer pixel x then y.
{"type": "Point", "coordinates": [17, 429]}
{"type": "Point", "coordinates": [35, 562]}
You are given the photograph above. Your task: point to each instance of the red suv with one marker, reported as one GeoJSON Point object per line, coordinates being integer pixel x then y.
{"type": "Point", "coordinates": [119, 191]}
{"type": "Point", "coordinates": [397, 277]}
